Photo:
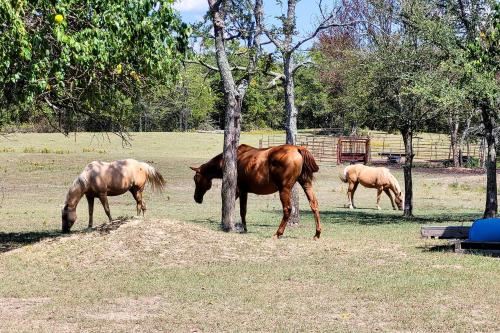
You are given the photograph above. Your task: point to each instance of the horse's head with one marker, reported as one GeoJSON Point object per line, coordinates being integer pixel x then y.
{"type": "Point", "coordinates": [399, 201]}
{"type": "Point", "coordinates": [68, 218]}
{"type": "Point", "coordinates": [203, 184]}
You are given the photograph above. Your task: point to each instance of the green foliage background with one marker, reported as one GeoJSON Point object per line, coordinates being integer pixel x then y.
{"type": "Point", "coordinates": [114, 66]}
{"type": "Point", "coordinates": [92, 65]}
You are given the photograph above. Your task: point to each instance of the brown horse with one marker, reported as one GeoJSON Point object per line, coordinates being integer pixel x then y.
{"type": "Point", "coordinates": [265, 171]}
{"type": "Point", "coordinates": [101, 179]}
{"type": "Point", "coordinates": [379, 178]}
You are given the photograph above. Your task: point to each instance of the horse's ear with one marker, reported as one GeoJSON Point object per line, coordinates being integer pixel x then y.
{"type": "Point", "coordinates": [195, 169]}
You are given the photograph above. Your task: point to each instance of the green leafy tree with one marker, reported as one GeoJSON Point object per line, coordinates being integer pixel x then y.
{"type": "Point", "coordinates": [343, 67]}
{"type": "Point", "coordinates": [484, 75]}
{"type": "Point", "coordinates": [381, 72]}
{"type": "Point", "coordinates": [263, 107]}
{"type": "Point", "coordinates": [189, 104]}
{"type": "Point", "coordinates": [85, 59]}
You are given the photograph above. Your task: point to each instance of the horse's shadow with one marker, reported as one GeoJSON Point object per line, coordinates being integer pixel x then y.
{"type": "Point", "coordinates": [13, 240]}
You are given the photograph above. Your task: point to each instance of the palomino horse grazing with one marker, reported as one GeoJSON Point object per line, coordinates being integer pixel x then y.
{"type": "Point", "coordinates": [379, 178]}
{"type": "Point", "coordinates": [265, 171]}
{"type": "Point", "coordinates": [100, 179]}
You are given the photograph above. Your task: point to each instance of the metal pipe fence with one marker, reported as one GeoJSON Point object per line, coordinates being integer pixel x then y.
{"type": "Point", "coordinates": [428, 148]}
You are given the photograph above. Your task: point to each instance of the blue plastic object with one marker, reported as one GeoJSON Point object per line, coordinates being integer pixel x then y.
{"type": "Point", "coordinates": [485, 230]}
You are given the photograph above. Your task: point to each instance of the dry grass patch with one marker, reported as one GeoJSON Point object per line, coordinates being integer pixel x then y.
{"type": "Point", "coordinates": [176, 271]}
{"type": "Point", "coordinates": [166, 243]}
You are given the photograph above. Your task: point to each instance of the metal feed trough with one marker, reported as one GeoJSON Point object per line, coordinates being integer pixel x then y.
{"type": "Point", "coordinates": [353, 150]}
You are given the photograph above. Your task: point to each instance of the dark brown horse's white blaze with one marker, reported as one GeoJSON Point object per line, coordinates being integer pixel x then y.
{"type": "Point", "coordinates": [101, 179]}
{"type": "Point", "coordinates": [265, 171]}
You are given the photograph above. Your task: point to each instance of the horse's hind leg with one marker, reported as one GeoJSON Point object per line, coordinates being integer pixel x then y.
{"type": "Point", "coordinates": [141, 206]}
{"type": "Point", "coordinates": [388, 192]}
{"type": "Point", "coordinates": [379, 194]}
{"type": "Point", "coordinates": [354, 188]}
{"type": "Point", "coordinates": [243, 209]}
{"type": "Point", "coordinates": [90, 201]}
{"type": "Point", "coordinates": [286, 202]}
{"type": "Point", "coordinates": [313, 202]}
{"type": "Point", "coordinates": [350, 193]}
{"type": "Point", "coordinates": [104, 201]}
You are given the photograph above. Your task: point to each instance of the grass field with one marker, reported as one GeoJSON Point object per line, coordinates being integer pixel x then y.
{"type": "Point", "coordinates": [175, 271]}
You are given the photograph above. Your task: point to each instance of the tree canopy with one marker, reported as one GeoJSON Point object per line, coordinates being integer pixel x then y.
{"type": "Point", "coordinates": [72, 59]}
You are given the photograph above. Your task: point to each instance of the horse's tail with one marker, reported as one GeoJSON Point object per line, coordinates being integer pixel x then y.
{"type": "Point", "coordinates": [309, 166]}
{"type": "Point", "coordinates": [343, 176]}
{"type": "Point", "coordinates": [154, 177]}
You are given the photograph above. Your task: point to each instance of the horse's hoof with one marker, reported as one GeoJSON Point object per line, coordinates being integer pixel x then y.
{"type": "Point", "coordinates": [351, 207]}
{"type": "Point", "coordinates": [316, 238]}
{"type": "Point", "coordinates": [378, 208]}
{"type": "Point", "coordinates": [276, 236]}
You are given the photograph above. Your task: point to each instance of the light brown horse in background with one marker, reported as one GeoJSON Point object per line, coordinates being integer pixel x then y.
{"type": "Point", "coordinates": [379, 178]}
{"type": "Point", "coordinates": [101, 179]}
{"type": "Point", "coordinates": [265, 171]}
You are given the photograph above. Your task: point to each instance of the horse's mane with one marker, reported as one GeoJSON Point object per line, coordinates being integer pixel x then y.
{"type": "Point", "coordinates": [213, 167]}
{"type": "Point", "coordinates": [396, 183]}
{"type": "Point", "coordinates": [80, 182]}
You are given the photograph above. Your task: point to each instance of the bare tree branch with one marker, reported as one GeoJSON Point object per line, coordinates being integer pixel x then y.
{"type": "Point", "coordinates": [202, 63]}
{"type": "Point", "coordinates": [302, 64]}
{"type": "Point", "coordinates": [278, 78]}
{"type": "Point", "coordinates": [321, 27]}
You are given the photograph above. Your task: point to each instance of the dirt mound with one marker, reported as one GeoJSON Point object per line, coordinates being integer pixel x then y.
{"type": "Point", "coordinates": [167, 243]}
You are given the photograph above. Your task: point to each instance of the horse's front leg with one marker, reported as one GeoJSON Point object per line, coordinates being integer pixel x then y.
{"type": "Point", "coordinates": [286, 202]}
{"type": "Point", "coordinates": [90, 200]}
{"type": "Point", "coordinates": [388, 192]}
{"type": "Point", "coordinates": [379, 194]}
{"type": "Point", "coordinates": [313, 203]}
{"type": "Point", "coordinates": [243, 209]}
{"type": "Point", "coordinates": [104, 201]}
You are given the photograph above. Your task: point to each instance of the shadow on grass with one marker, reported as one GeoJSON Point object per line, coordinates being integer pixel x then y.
{"type": "Point", "coordinates": [438, 248]}
{"type": "Point", "coordinates": [13, 240]}
{"type": "Point", "coordinates": [358, 216]}
{"type": "Point", "coordinates": [375, 217]}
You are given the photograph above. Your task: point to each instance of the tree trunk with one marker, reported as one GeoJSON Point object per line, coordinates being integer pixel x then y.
{"type": "Point", "coordinates": [453, 121]}
{"type": "Point", "coordinates": [463, 136]}
{"type": "Point", "coordinates": [232, 122]}
{"type": "Point", "coordinates": [407, 168]}
{"type": "Point", "coordinates": [232, 130]}
{"type": "Point", "coordinates": [491, 207]}
{"type": "Point", "coordinates": [291, 129]}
